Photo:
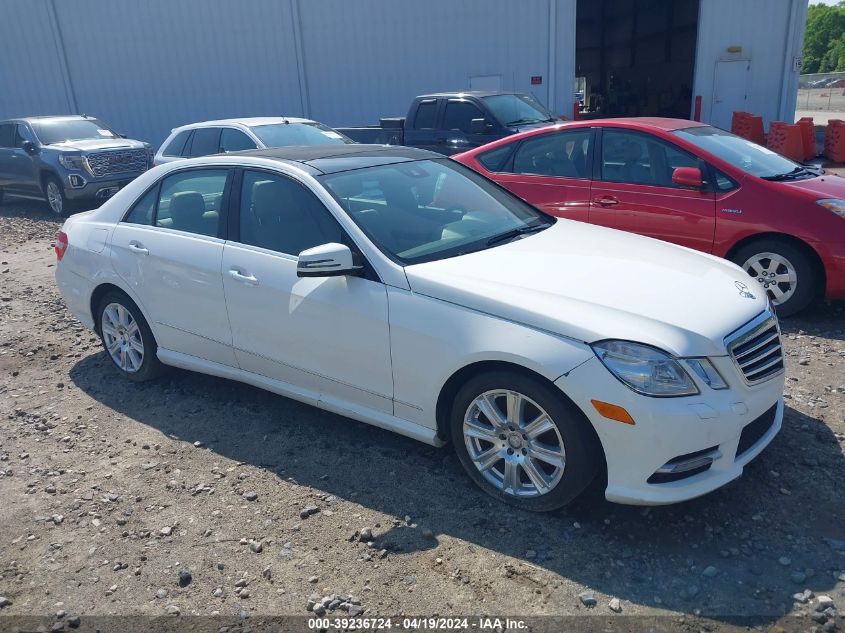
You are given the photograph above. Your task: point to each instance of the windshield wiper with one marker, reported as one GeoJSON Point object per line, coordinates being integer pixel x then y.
{"type": "Point", "coordinates": [525, 122]}
{"type": "Point", "coordinates": [514, 233]}
{"type": "Point", "coordinates": [795, 173]}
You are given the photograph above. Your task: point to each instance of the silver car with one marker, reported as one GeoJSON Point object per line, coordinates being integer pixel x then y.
{"type": "Point", "coordinates": [233, 135]}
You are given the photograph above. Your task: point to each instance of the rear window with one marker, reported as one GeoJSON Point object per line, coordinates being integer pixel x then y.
{"type": "Point", "coordinates": [206, 141]}
{"type": "Point", "coordinates": [177, 145]}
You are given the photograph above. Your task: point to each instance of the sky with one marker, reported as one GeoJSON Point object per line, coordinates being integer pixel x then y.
{"type": "Point", "coordinates": [824, 1]}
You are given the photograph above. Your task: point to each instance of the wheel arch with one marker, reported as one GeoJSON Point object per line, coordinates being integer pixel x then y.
{"type": "Point", "coordinates": [97, 295]}
{"type": "Point", "coordinates": [453, 384]}
{"type": "Point", "coordinates": [797, 242]}
{"type": "Point", "coordinates": [45, 173]}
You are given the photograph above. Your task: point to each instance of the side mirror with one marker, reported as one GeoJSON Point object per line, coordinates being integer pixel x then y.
{"type": "Point", "coordinates": [687, 177]}
{"type": "Point", "coordinates": [327, 260]}
{"type": "Point", "coordinates": [29, 147]}
{"type": "Point", "coordinates": [479, 126]}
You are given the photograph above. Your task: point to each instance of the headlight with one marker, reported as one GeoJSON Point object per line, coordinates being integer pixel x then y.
{"type": "Point", "coordinates": [74, 162]}
{"type": "Point", "coordinates": [833, 204]}
{"type": "Point", "coordinates": [704, 369]}
{"type": "Point", "coordinates": [645, 369]}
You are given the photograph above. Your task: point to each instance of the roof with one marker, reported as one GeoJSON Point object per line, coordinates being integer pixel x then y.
{"type": "Point", "coordinates": [330, 159]}
{"type": "Point", "coordinates": [57, 117]}
{"type": "Point", "coordinates": [247, 121]}
{"type": "Point", "coordinates": [468, 93]}
{"type": "Point", "coordinates": [661, 123]}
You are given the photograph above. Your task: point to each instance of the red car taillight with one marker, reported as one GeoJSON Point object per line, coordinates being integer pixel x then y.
{"type": "Point", "coordinates": [61, 245]}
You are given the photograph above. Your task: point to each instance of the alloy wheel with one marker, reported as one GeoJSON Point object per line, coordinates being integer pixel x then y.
{"type": "Point", "coordinates": [776, 274]}
{"type": "Point", "coordinates": [54, 197]}
{"type": "Point", "coordinates": [514, 443]}
{"type": "Point", "coordinates": [122, 337]}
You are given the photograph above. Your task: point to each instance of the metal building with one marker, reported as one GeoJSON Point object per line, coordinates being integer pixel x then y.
{"type": "Point", "coordinates": [146, 67]}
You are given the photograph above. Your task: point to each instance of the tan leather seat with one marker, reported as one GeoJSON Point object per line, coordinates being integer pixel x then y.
{"type": "Point", "coordinates": [187, 213]}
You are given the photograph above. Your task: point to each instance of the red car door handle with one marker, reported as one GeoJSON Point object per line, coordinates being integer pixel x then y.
{"type": "Point", "coordinates": [606, 201]}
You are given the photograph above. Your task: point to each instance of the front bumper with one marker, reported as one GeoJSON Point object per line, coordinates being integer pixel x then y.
{"type": "Point", "coordinates": [80, 185]}
{"type": "Point", "coordinates": [668, 428]}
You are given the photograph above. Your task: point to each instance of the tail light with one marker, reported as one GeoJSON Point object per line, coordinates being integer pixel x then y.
{"type": "Point", "coordinates": [61, 245]}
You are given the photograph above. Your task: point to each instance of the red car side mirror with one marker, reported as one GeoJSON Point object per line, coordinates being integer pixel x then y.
{"type": "Point", "coordinates": [687, 177]}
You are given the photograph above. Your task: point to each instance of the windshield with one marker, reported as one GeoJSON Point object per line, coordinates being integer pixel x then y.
{"type": "Point", "coordinates": [749, 157]}
{"type": "Point", "coordinates": [419, 211]}
{"type": "Point", "coordinates": [517, 109]}
{"type": "Point", "coordinates": [283, 134]}
{"type": "Point", "coordinates": [50, 132]}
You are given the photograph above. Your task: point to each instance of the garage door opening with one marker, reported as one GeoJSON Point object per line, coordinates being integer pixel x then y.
{"type": "Point", "coordinates": [635, 57]}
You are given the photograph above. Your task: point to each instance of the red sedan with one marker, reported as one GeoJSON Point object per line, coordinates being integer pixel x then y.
{"type": "Point", "coordinates": [687, 183]}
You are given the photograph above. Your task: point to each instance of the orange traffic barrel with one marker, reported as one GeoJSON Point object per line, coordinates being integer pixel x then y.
{"type": "Point", "coordinates": [785, 139]}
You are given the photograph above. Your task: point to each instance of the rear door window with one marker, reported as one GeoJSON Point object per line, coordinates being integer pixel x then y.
{"type": "Point", "coordinates": [562, 154]}
{"type": "Point", "coordinates": [232, 140]}
{"type": "Point", "coordinates": [459, 115]}
{"type": "Point", "coordinates": [191, 201]}
{"type": "Point", "coordinates": [206, 141]}
{"type": "Point", "coordinates": [7, 134]}
{"type": "Point", "coordinates": [426, 117]}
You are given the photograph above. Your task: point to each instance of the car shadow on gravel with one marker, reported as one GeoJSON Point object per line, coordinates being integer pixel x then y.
{"type": "Point", "coordinates": [739, 552]}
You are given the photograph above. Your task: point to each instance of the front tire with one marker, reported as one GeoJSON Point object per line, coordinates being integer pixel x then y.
{"type": "Point", "coordinates": [522, 442]}
{"type": "Point", "coordinates": [54, 192]}
{"type": "Point", "coordinates": [784, 270]}
{"type": "Point", "coordinates": [127, 338]}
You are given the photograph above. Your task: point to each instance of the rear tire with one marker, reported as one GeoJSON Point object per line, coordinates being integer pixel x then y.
{"type": "Point", "coordinates": [127, 339]}
{"type": "Point", "coordinates": [522, 442]}
{"type": "Point", "coordinates": [784, 270]}
{"type": "Point", "coordinates": [54, 193]}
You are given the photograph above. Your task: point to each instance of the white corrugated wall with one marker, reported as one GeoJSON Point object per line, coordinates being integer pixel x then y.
{"type": "Point", "coordinates": [148, 66]}
{"type": "Point", "coordinates": [769, 34]}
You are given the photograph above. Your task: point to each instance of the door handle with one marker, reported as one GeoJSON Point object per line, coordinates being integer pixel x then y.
{"type": "Point", "coordinates": [137, 247]}
{"type": "Point", "coordinates": [239, 276]}
{"type": "Point", "coordinates": [606, 201]}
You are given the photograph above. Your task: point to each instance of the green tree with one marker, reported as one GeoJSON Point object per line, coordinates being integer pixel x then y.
{"type": "Point", "coordinates": [823, 38]}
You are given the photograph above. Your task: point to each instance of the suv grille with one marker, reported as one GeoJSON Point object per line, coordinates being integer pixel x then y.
{"type": "Point", "coordinates": [118, 162]}
{"type": "Point", "coordinates": [756, 349]}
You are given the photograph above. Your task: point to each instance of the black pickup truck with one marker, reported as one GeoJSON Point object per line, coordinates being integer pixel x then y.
{"type": "Point", "coordinates": [452, 122]}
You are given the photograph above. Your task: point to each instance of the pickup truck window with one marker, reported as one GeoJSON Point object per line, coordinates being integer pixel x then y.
{"type": "Point", "coordinates": [517, 109]}
{"type": "Point", "coordinates": [7, 134]}
{"type": "Point", "coordinates": [57, 131]}
{"type": "Point", "coordinates": [459, 115]}
{"type": "Point", "coordinates": [426, 117]}
{"type": "Point", "coordinates": [23, 134]}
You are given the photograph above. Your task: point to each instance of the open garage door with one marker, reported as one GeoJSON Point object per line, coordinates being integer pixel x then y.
{"type": "Point", "coordinates": [636, 57]}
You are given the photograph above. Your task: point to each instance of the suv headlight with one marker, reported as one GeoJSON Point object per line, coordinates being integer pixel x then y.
{"type": "Point", "coordinates": [646, 370]}
{"type": "Point", "coordinates": [74, 162]}
{"type": "Point", "coordinates": [833, 204]}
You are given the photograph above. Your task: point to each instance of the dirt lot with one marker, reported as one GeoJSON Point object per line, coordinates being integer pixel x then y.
{"type": "Point", "coordinates": [110, 490]}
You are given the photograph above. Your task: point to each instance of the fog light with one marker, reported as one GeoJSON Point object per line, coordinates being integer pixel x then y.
{"type": "Point", "coordinates": [76, 181]}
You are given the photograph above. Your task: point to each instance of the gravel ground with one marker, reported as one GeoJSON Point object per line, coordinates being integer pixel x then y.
{"type": "Point", "coordinates": [197, 495]}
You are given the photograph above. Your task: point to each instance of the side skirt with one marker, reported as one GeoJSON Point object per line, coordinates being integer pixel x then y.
{"type": "Point", "coordinates": [341, 407]}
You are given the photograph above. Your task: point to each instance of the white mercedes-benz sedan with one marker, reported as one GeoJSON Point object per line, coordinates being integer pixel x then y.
{"type": "Point", "coordinates": [399, 288]}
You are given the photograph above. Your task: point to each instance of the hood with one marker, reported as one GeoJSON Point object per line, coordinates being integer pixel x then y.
{"type": "Point", "coordinates": [827, 186]}
{"type": "Point", "coordinates": [591, 283]}
{"type": "Point", "coordinates": [98, 144]}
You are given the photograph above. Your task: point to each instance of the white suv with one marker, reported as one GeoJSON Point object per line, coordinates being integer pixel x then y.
{"type": "Point", "coordinates": [233, 135]}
